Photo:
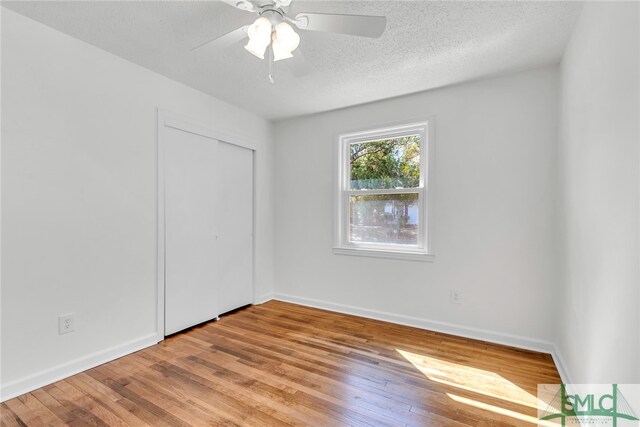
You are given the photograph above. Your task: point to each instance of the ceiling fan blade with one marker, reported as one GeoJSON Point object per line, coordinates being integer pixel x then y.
{"type": "Point", "coordinates": [245, 5]}
{"type": "Point", "coordinates": [225, 40]}
{"type": "Point", "coordinates": [356, 25]}
{"type": "Point", "coordinates": [298, 65]}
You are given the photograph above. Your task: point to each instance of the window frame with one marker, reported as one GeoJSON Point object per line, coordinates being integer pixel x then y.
{"type": "Point", "coordinates": [423, 251]}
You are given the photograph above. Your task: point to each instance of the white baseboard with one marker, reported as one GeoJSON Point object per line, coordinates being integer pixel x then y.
{"type": "Point", "coordinates": [51, 375]}
{"type": "Point", "coordinates": [561, 364]}
{"type": "Point", "coordinates": [431, 325]}
{"type": "Point", "coordinates": [264, 298]}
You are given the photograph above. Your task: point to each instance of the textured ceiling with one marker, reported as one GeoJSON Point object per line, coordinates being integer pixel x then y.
{"type": "Point", "coordinates": [426, 45]}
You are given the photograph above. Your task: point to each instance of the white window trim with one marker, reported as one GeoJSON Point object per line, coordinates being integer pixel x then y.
{"type": "Point", "coordinates": [424, 249]}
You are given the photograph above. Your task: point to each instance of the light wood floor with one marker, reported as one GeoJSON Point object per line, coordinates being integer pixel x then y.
{"type": "Point", "coordinates": [283, 364]}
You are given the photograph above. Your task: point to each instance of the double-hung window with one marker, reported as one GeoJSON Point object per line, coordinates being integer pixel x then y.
{"type": "Point", "coordinates": [383, 192]}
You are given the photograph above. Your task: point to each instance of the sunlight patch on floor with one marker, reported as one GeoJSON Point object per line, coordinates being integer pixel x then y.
{"type": "Point", "coordinates": [501, 411]}
{"type": "Point", "coordinates": [480, 381]}
{"type": "Point", "coordinates": [470, 379]}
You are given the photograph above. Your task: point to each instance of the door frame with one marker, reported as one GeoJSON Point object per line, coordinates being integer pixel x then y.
{"type": "Point", "coordinates": [166, 119]}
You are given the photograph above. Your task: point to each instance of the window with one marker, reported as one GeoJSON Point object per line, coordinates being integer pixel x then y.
{"type": "Point", "coordinates": [383, 192]}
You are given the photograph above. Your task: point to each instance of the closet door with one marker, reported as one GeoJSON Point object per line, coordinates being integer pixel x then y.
{"type": "Point", "coordinates": [235, 219]}
{"type": "Point", "coordinates": [208, 211]}
{"type": "Point", "coordinates": [191, 226]}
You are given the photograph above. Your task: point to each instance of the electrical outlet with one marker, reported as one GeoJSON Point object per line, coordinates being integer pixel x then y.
{"type": "Point", "coordinates": [66, 324]}
{"type": "Point", "coordinates": [456, 296]}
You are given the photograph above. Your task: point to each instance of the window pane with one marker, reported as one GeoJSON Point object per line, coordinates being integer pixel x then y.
{"type": "Point", "coordinates": [387, 163]}
{"type": "Point", "coordinates": [384, 218]}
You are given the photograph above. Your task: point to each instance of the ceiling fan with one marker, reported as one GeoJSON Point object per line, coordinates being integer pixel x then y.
{"type": "Point", "coordinates": [274, 27]}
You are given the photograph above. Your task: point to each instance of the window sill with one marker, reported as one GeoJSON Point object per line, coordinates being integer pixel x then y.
{"type": "Point", "coordinates": [377, 253]}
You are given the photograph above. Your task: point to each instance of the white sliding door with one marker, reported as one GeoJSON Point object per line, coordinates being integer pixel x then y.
{"type": "Point", "coordinates": [236, 227]}
{"type": "Point", "coordinates": [208, 218]}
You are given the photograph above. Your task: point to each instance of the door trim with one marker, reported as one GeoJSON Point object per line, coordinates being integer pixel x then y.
{"type": "Point", "coordinates": [166, 119]}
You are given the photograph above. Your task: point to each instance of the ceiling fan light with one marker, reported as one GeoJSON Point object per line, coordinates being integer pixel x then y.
{"type": "Point", "coordinates": [259, 37]}
{"type": "Point", "coordinates": [287, 37]}
{"type": "Point", "coordinates": [280, 52]}
{"type": "Point", "coordinates": [256, 49]}
{"type": "Point", "coordinates": [260, 28]}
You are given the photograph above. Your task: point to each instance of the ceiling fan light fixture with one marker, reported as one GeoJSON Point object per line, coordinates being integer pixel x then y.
{"type": "Point", "coordinates": [256, 49]}
{"type": "Point", "coordinates": [279, 52]}
{"type": "Point", "coordinates": [259, 37]}
{"type": "Point", "coordinates": [285, 41]}
{"type": "Point", "coordinates": [275, 26]}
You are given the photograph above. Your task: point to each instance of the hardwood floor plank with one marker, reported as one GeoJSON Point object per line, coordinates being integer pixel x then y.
{"type": "Point", "coordinates": [23, 414]}
{"type": "Point", "coordinates": [281, 364]}
{"type": "Point", "coordinates": [9, 418]}
{"type": "Point", "coordinates": [78, 414]}
{"type": "Point", "coordinates": [35, 406]}
{"type": "Point", "coordinates": [106, 397]}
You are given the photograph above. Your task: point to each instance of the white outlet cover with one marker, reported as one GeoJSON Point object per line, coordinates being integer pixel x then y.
{"type": "Point", "coordinates": [66, 324]}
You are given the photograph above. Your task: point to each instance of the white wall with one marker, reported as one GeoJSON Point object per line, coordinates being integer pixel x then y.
{"type": "Point", "coordinates": [598, 333]}
{"type": "Point", "coordinates": [79, 199]}
{"type": "Point", "coordinates": [494, 219]}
